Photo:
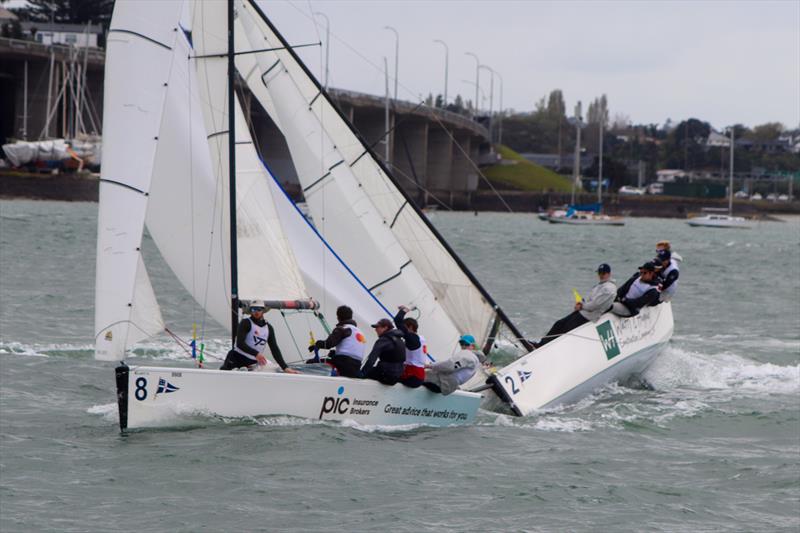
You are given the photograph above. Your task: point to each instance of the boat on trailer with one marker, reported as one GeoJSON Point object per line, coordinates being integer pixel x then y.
{"type": "Point", "coordinates": [230, 233]}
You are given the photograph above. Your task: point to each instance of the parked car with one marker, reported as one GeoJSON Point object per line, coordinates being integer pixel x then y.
{"type": "Point", "coordinates": [757, 196]}
{"type": "Point", "coordinates": [627, 189]}
{"type": "Point", "coordinates": [772, 196]}
{"type": "Point", "coordinates": [655, 188]}
{"type": "Point", "coordinates": [783, 198]}
{"type": "Point", "coordinates": [741, 194]}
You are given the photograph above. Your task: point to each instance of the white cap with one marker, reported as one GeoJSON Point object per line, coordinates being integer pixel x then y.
{"type": "Point", "coordinates": [257, 303]}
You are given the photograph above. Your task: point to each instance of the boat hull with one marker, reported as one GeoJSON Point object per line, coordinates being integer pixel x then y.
{"type": "Point", "coordinates": [587, 221]}
{"type": "Point", "coordinates": [735, 223]}
{"type": "Point", "coordinates": [163, 396]}
{"type": "Point", "coordinates": [588, 357]}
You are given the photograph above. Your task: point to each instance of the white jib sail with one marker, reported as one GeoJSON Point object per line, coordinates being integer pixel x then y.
{"type": "Point", "coordinates": [357, 207]}
{"type": "Point", "coordinates": [138, 53]}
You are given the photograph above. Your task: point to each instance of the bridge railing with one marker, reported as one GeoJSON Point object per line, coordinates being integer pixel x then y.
{"type": "Point", "coordinates": [27, 47]}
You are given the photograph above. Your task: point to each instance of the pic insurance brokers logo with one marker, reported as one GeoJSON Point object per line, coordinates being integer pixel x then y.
{"type": "Point", "coordinates": [336, 405]}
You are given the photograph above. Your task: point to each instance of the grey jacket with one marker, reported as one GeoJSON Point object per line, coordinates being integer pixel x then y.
{"type": "Point", "coordinates": [451, 373]}
{"type": "Point", "coordinates": [600, 300]}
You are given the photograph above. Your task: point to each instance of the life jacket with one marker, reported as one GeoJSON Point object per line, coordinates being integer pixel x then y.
{"type": "Point", "coordinates": [256, 338]}
{"type": "Point", "coordinates": [669, 292]}
{"type": "Point", "coordinates": [352, 345]}
{"type": "Point", "coordinates": [638, 288]}
{"type": "Point", "coordinates": [419, 356]}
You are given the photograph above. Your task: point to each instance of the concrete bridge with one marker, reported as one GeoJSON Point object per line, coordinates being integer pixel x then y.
{"type": "Point", "coordinates": [430, 151]}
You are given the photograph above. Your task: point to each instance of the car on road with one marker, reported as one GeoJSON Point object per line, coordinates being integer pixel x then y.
{"type": "Point", "coordinates": [627, 189]}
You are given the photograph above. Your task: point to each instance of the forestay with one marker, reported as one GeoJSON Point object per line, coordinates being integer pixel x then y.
{"type": "Point", "coordinates": [356, 205]}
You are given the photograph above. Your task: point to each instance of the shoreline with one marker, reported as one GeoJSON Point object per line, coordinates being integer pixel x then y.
{"type": "Point", "coordinates": [84, 187]}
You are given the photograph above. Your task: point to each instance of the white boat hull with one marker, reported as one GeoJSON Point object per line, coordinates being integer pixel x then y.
{"type": "Point", "coordinates": [720, 222]}
{"type": "Point", "coordinates": [599, 221]}
{"type": "Point", "coordinates": [588, 357]}
{"type": "Point", "coordinates": [162, 396]}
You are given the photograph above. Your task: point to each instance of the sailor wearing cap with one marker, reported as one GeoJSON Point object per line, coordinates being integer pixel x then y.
{"type": "Point", "coordinates": [385, 361]}
{"type": "Point", "coordinates": [639, 291]}
{"type": "Point", "coordinates": [446, 376]}
{"type": "Point", "coordinates": [667, 274]}
{"type": "Point", "coordinates": [252, 337]}
{"type": "Point", "coordinates": [600, 300]}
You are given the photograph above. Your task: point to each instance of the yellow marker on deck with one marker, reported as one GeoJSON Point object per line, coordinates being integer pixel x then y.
{"type": "Point", "coordinates": [577, 295]}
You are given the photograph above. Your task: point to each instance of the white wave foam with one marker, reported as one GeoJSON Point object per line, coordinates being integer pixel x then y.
{"type": "Point", "coordinates": [678, 367]}
{"type": "Point", "coordinates": [108, 411]}
{"type": "Point", "coordinates": [378, 428]}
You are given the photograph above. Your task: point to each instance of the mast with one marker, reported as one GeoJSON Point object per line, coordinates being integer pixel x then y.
{"type": "Point", "coordinates": [232, 179]}
{"type": "Point", "coordinates": [730, 181]}
{"type": "Point", "coordinates": [411, 203]}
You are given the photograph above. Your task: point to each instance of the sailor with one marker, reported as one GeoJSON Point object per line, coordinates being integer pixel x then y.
{"type": "Point", "coordinates": [665, 245]}
{"type": "Point", "coordinates": [667, 275]}
{"type": "Point", "coordinates": [253, 335]}
{"type": "Point", "coordinates": [446, 376]}
{"type": "Point", "coordinates": [416, 350]}
{"type": "Point", "coordinates": [385, 361]}
{"type": "Point", "coordinates": [599, 301]}
{"type": "Point", "coordinates": [639, 291]}
{"type": "Point", "coordinates": [346, 343]}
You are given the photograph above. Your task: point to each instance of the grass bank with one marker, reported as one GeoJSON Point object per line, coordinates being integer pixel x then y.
{"type": "Point", "coordinates": [517, 172]}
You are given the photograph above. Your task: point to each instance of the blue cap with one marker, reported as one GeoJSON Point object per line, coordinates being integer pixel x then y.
{"type": "Point", "coordinates": [664, 255]}
{"type": "Point", "coordinates": [604, 268]}
{"type": "Point", "coordinates": [466, 339]}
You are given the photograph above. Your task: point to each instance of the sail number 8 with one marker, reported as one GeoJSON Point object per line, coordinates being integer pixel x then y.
{"type": "Point", "coordinates": [141, 389]}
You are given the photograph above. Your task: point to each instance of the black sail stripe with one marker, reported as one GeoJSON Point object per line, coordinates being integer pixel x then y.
{"type": "Point", "coordinates": [314, 99]}
{"type": "Point", "coordinates": [131, 187]}
{"type": "Point", "coordinates": [145, 37]}
{"type": "Point", "coordinates": [275, 64]}
{"type": "Point", "coordinates": [398, 213]}
{"type": "Point", "coordinates": [223, 132]}
{"type": "Point", "coordinates": [390, 278]}
{"type": "Point", "coordinates": [317, 181]}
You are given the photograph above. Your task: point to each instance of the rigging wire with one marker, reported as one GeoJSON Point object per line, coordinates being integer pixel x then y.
{"type": "Point", "coordinates": [409, 91]}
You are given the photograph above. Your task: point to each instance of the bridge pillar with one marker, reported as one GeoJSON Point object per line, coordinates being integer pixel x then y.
{"type": "Point", "coordinates": [410, 158]}
{"type": "Point", "coordinates": [272, 146]}
{"type": "Point", "coordinates": [371, 123]}
{"type": "Point", "coordinates": [440, 160]}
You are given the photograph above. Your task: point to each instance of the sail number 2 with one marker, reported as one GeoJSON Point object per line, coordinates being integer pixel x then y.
{"type": "Point", "coordinates": [508, 379]}
{"type": "Point", "coordinates": [141, 389]}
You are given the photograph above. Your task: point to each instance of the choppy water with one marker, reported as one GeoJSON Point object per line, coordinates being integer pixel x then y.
{"type": "Point", "coordinates": [715, 447]}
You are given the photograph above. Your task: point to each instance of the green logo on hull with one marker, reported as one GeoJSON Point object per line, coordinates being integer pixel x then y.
{"type": "Point", "coordinates": [608, 339]}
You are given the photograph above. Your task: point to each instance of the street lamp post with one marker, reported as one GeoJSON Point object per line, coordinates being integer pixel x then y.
{"type": "Point", "coordinates": [446, 62]}
{"type": "Point", "coordinates": [396, 56]}
{"type": "Point", "coordinates": [477, 78]}
{"type": "Point", "coordinates": [491, 100]}
{"type": "Point", "coordinates": [500, 121]}
{"type": "Point", "coordinates": [327, 45]}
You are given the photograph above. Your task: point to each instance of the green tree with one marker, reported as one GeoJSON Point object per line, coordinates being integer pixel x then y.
{"type": "Point", "coordinates": [67, 11]}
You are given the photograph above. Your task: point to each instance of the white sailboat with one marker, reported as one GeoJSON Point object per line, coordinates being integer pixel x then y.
{"type": "Point", "coordinates": [576, 215]}
{"type": "Point", "coordinates": [166, 167]}
{"type": "Point", "coordinates": [722, 220]}
{"type": "Point", "coordinates": [231, 235]}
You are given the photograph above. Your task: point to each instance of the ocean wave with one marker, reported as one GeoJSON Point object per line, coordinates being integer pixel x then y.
{"type": "Point", "coordinates": [679, 367]}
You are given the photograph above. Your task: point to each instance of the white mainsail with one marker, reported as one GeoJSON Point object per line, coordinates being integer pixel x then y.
{"type": "Point", "coordinates": [184, 191]}
{"type": "Point", "coordinates": [359, 209]}
{"type": "Point", "coordinates": [139, 42]}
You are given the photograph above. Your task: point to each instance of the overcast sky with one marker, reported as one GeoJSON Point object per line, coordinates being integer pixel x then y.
{"type": "Point", "coordinates": [721, 61]}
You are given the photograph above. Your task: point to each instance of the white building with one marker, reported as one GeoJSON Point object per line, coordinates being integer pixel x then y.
{"type": "Point", "coordinates": [79, 35]}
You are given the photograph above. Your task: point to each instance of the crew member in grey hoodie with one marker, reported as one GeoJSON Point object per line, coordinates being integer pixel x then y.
{"type": "Point", "coordinates": [600, 300]}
